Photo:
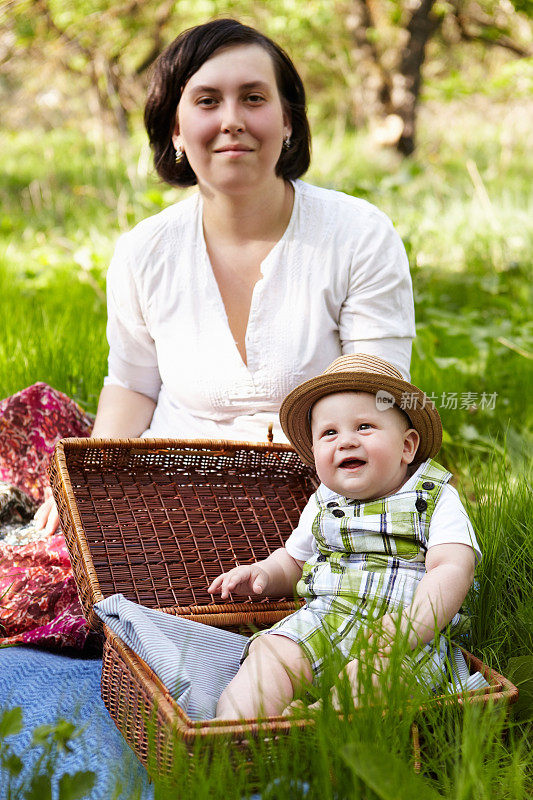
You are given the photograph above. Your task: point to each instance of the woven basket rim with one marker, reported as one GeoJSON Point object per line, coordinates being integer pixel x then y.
{"type": "Point", "coordinates": [145, 443]}
{"type": "Point", "coordinates": [499, 689]}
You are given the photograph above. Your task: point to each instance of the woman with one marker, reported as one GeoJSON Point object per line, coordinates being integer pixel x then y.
{"type": "Point", "coordinates": [221, 304]}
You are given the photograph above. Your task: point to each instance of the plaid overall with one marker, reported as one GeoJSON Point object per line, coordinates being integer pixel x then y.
{"type": "Point", "coordinates": [370, 560]}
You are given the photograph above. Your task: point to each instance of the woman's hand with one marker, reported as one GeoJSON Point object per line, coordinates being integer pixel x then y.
{"type": "Point", "coordinates": [121, 413]}
{"type": "Point", "coordinates": [46, 517]}
{"type": "Point", "coordinates": [248, 579]}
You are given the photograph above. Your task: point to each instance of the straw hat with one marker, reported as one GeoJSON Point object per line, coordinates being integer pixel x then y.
{"type": "Point", "coordinates": [359, 372]}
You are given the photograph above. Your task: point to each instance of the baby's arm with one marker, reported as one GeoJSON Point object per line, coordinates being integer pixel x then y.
{"type": "Point", "coordinates": [450, 563]}
{"type": "Point", "coordinates": [276, 575]}
{"type": "Point", "coordinates": [438, 597]}
{"type": "Point", "coordinates": [440, 593]}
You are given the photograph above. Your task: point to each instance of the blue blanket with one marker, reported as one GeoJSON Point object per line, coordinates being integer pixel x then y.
{"type": "Point", "coordinates": [48, 686]}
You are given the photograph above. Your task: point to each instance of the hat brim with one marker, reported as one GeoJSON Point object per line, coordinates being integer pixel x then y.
{"type": "Point", "coordinates": [295, 417]}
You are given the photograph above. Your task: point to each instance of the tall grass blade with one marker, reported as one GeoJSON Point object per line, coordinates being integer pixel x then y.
{"type": "Point", "coordinates": [388, 776]}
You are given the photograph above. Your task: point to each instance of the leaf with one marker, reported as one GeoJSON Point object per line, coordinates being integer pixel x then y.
{"type": "Point", "coordinates": [10, 722]}
{"type": "Point", "coordinates": [60, 732]}
{"type": "Point", "coordinates": [41, 735]}
{"type": "Point", "coordinates": [520, 672]}
{"type": "Point", "coordinates": [12, 763]}
{"type": "Point", "coordinates": [64, 731]}
{"type": "Point", "coordinates": [78, 785]}
{"type": "Point", "coordinates": [40, 788]}
{"type": "Point", "coordinates": [388, 776]}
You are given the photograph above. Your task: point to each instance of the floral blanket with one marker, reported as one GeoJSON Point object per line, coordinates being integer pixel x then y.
{"type": "Point", "coordinates": [38, 598]}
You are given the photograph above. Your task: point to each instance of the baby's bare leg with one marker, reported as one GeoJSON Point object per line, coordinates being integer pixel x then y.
{"type": "Point", "coordinates": [267, 680]}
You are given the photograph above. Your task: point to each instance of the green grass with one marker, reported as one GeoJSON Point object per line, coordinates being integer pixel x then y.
{"type": "Point", "coordinates": [53, 333]}
{"type": "Point", "coordinates": [463, 207]}
{"type": "Point", "coordinates": [502, 602]}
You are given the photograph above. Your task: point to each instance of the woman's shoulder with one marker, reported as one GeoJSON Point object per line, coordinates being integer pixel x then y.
{"type": "Point", "coordinates": [156, 242]}
{"type": "Point", "coordinates": [341, 208]}
{"type": "Point", "coordinates": [164, 229]}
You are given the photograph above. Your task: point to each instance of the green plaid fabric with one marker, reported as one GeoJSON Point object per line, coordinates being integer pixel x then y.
{"type": "Point", "coordinates": [370, 560]}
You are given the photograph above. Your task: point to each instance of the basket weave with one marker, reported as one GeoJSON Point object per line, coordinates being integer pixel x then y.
{"type": "Point", "coordinates": [158, 520]}
{"type": "Point", "coordinates": [134, 696]}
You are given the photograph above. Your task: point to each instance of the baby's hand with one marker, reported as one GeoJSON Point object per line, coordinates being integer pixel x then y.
{"type": "Point", "coordinates": [248, 579]}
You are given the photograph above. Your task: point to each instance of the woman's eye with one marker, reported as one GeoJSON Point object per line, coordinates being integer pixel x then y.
{"type": "Point", "coordinates": [255, 98]}
{"type": "Point", "coordinates": [206, 101]}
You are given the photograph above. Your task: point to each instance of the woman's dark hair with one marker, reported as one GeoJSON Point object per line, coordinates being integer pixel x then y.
{"type": "Point", "coordinates": [178, 63]}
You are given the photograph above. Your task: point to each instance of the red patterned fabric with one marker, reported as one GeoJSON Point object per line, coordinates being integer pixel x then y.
{"type": "Point", "coordinates": [38, 598]}
{"type": "Point", "coordinates": [31, 422]}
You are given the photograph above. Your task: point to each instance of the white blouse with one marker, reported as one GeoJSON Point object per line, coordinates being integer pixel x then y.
{"type": "Point", "coordinates": [336, 282]}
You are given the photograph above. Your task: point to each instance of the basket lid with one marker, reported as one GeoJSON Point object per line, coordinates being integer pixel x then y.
{"type": "Point", "coordinates": [158, 519]}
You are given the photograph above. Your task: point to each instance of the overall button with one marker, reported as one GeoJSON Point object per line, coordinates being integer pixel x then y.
{"type": "Point", "coordinates": [428, 485]}
{"type": "Point", "coordinates": [332, 504]}
{"type": "Point", "coordinates": [421, 505]}
{"type": "Point", "coordinates": [337, 512]}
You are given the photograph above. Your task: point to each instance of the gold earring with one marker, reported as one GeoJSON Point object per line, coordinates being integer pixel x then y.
{"type": "Point", "coordinates": [179, 154]}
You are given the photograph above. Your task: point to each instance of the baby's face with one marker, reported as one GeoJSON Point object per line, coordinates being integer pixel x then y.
{"type": "Point", "coordinates": [361, 452]}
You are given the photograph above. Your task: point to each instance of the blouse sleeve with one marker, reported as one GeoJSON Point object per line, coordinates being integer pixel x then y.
{"type": "Point", "coordinates": [132, 361]}
{"type": "Point", "coordinates": [377, 316]}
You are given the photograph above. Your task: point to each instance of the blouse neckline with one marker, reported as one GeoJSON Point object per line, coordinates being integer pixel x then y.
{"type": "Point", "coordinates": [265, 268]}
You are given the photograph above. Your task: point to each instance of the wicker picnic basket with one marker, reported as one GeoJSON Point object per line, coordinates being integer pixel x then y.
{"type": "Point", "coordinates": [157, 520]}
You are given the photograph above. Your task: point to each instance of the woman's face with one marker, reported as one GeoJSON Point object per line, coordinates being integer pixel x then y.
{"type": "Point", "coordinates": [231, 121]}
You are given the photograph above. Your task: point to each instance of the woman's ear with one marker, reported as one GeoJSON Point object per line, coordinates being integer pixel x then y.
{"type": "Point", "coordinates": [411, 440]}
{"type": "Point", "coordinates": [176, 138]}
{"type": "Point", "coordinates": [287, 123]}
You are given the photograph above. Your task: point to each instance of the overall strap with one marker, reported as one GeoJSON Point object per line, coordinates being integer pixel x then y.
{"type": "Point", "coordinates": [428, 488]}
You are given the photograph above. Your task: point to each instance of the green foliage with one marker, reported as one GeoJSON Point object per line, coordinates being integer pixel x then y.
{"type": "Point", "coordinates": [52, 740]}
{"type": "Point", "coordinates": [54, 333]}
{"type": "Point", "coordinates": [67, 57]}
{"type": "Point", "coordinates": [467, 752]}
{"type": "Point", "coordinates": [476, 752]}
{"type": "Point", "coordinates": [525, 6]}
{"type": "Point", "coordinates": [501, 509]}
{"type": "Point", "coordinates": [61, 732]}
{"type": "Point", "coordinates": [10, 722]}
{"type": "Point", "coordinates": [72, 787]}
{"type": "Point", "coordinates": [396, 782]}
{"type": "Point", "coordinates": [520, 672]}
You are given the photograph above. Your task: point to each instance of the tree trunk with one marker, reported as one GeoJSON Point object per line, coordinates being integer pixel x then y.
{"type": "Point", "coordinates": [407, 78]}
{"type": "Point", "coordinates": [387, 97]}
{"type": "Point", "coordinates": [371, 91]}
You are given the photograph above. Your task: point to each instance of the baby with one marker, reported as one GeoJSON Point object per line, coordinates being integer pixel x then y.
{"type": "Point", "coordinates": [384, 537]}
